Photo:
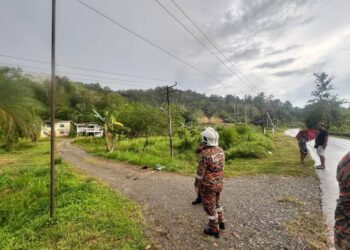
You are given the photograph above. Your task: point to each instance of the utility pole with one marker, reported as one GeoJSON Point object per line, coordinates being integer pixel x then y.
{"type": "Point", "coordinates": [169, 119]}
{"type": "Point", "coordinates": [53, 76]}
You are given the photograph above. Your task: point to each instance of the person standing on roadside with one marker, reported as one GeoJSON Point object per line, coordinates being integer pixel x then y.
{"type": "Point", "coordinates": [302, 143]}
{"type": "Point", "coordinates": [321, 144]}
{"type": "Point", "coordinates": [342, 211]}
{"type": "Point", "coordinates": [210, 177]}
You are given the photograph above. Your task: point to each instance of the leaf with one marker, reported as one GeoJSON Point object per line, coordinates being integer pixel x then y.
{"type": "Point", "coordinates": [115, 122]}
{"type": "Point", "coordinates": [98, 115]}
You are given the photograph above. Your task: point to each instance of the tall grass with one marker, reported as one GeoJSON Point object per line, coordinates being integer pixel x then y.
{"type": "Point", "coordinates": [277, 155]}
{"type": "Point", "coordinates": [88, 214]}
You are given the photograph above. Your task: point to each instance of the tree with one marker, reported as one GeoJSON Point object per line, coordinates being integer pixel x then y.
{"type": "Point", "coordinates": [111, 128]}
{"type": "Point", "coordinates": [323, 89]}
{"type": "Point", "coordinates": [324, 105]}
{"type": "Point", "coordinates": [18, 108]}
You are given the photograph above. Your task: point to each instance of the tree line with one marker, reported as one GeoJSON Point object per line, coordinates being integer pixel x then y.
{"type": "Point", "coordinates": [25, 102]}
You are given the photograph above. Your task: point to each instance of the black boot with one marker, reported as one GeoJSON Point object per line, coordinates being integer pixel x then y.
{"type": "Point", "coordinates": [222, 225]}
{"type": "Point", "coordinates": [198, 200]}
{"type": "Point", "coordinates": [210, 232]}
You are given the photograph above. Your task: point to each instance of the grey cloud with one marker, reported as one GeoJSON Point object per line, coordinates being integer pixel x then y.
{"type": "Point", "coordinates": [244, 51]}
{"type": "Point", "coordinates": [287, 73]}
{"type": "Point", "coordinates": [257, 17]}
{"type": "Point", "coordinates": [281, 51]}
{"type": "Point", "coordinates": [277, 64]}
{"type": "Point", "coordinates": [298, 72]}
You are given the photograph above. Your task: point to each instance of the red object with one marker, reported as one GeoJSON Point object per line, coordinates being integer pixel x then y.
{"type": "Point", "coordinates": [309, 134]}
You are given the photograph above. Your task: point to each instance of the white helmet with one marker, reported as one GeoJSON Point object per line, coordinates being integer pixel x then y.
{"type": "Point", "coordinates": [210, 137]}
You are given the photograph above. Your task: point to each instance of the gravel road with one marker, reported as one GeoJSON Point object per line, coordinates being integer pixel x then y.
{"type": "Point", "coordinates": [257, 209]}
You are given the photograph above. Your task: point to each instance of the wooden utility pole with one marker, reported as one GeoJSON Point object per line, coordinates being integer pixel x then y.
{"type": "Point", "coordinates": [53, 76]}
{"type": "Point", "coordinates": [169, 120]}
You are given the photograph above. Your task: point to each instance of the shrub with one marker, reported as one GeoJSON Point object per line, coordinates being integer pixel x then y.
{"type": "Point", "coordinates": [229, 137]}
{"type": "Point", "coordinates": [243, 130]}
{"type": "Point", "coordinates": [247, 150]}
{"type": "Point", "coordinates": [58, 160]}
{"type": "Point", "coordinates": [189, 138]}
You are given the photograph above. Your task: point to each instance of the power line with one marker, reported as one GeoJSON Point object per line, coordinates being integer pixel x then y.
{"type": "Point", "coordinates": [91, 77]}
{"type": "Point", "coordinates": [148, 41]}
{"type": "Point", "coordinates": [247, 81]}
{"type": "Point", "coordinates": [85, 69]}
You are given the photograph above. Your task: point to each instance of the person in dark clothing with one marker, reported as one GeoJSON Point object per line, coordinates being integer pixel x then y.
{"type": "Point", "coordinates": [321, 144]}
{"type": "Point", "coordinates": [302, 143]}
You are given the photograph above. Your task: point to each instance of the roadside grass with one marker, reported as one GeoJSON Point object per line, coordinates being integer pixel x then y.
{"type": "Point", "coordinates": [283, 159]}
{"type": "Point", "coordinates": [310, 228]}
{"type": "Point", "coordinates": [89, 215]}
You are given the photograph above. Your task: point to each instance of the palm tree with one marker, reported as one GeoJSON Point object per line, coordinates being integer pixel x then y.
{"type": "Point", "coordinates": [18, 108]}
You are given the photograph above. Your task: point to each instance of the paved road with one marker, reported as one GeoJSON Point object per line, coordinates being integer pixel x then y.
{"type": "Point", "coordinates": [336, 149]}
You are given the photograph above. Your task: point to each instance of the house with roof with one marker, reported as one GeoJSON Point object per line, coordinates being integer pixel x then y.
{"type": "Point", "coordinates": [62, 128]}
{"type": "Point", "coordinates": [89, 129]}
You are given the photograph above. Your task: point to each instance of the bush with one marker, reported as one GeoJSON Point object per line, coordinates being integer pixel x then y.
{"type": "Point", "coordinates": [229, 137]}
{"type": "Point", "coordinates": [58, 160]}
{"type": "Point", "coordinates": [188, 140]}
{"type": "Point", "coordinates": [241, 142]}
{"type": "Point", "coordinates": [247, 150]}
{"type": "Point", "coordinates": [243, 130]}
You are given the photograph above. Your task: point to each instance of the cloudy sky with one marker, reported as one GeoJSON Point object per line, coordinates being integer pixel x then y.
{"type": "Point", "coordinates": [273, 46]}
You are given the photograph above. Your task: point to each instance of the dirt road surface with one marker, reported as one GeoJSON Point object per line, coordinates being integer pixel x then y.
{"type": "Point", "coordinates": [255, 211]}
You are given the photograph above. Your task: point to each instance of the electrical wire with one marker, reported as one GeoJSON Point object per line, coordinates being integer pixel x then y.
{"type": "Point", "coordinates": [91, 77]}
{"type": "Point", "coordinates": [238, 72]}
{"type": "Point", "coordinates": [148, 41]}
{"type": "Point", "coordinates": [84, 69]}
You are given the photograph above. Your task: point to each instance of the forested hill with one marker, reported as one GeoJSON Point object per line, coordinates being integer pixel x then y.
{"type": "Point", "coordinates": [76, 101]}
{"type": "Point", "coordinates": [229, 108]}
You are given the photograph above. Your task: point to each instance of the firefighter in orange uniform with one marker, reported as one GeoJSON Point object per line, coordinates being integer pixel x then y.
{"type": "Point", "coordinates": [210, 180]}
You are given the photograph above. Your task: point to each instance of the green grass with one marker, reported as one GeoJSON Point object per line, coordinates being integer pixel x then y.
{"type": "Point", "coordinates": [283, 158]}
{"type": "Point", "coordinates": [89, 215]}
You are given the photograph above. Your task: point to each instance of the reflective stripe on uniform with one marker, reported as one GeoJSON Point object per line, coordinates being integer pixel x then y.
{"type": "Point", "coordinates": [213, 217]}
{"type": "Point", "coordinates": [199, 177]}
{"type": "Point", "coordinates": [220, 209]}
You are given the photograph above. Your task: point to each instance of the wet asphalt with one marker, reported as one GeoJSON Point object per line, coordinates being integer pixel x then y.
{"type": "Point", "coordinates": [336, 149]}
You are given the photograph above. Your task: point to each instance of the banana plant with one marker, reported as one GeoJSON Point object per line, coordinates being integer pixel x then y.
{"type": "Point", "coordinates": [110, 126]}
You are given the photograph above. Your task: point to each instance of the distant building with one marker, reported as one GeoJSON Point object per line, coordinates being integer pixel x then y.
{"type": "Point", "coordinates": [62, 128]}
{"type": "Point", "coordinates": [213, 120]}
{"type": "Point", "coordinates": [89, 129]}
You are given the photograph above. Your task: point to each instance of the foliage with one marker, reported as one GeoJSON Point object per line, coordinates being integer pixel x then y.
{"type": "Point", "coordinates": [18, 109]}
{"type": "Point", "coordinates": [111, 126]}
{"type": "Point", "coordinates": [323, 88]}
{"type": "Point", "coordinates": [229, 137]}
{"type": "Point", "coordinates": [283, 160]}
{"type": "Point", "coordinates": [139, 110]}
{"type": "Point", "coordinates": [252, 145]}
{"type": "Point", "coordinates": [324, 106]}
{"type": "Point", "coordinates": [88, 214]}
{"type": "Point", "coordinates": [230, 108]}
{"type": "Point", "coordinates": [189, 138]}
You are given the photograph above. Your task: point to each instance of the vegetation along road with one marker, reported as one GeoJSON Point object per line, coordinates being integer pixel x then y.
{"type": "Point", "coordinates": [262, 212]}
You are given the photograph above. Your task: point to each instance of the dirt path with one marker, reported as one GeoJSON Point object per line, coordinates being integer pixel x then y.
{"type": "Point", "coordinates": [257, 209]}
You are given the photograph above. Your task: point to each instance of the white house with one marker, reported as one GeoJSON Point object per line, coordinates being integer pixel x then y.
{"type": "Point", "coordinates": [62, 128]}
{"type": "Point", "coordinates": [93, 129]}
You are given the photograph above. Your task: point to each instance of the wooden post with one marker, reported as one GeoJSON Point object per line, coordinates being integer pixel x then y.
{"type": "Point", "coordinates": [53, 93]}
{"type": "Point", "coordinates": [169, 120]}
